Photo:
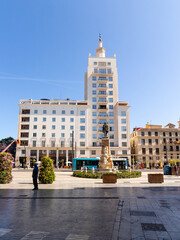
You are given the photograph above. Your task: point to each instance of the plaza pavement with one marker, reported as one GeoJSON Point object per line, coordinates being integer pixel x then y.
{"type": "Point", "coordinates": [86, 209]}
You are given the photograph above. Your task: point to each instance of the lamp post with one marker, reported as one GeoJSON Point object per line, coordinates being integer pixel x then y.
{"type": "Point", "coordinates": [72, 148]}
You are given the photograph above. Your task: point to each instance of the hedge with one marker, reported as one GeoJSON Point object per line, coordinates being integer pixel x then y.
{"type": "Point", "coordinates": [5, 167]}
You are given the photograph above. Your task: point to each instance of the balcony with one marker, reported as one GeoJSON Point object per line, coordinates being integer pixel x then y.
{"type": "Point", "coordinates": [25, 127]}
{"type": "Point", "coordinates": [102, 101]}
{"type": "Point", "coordinates": [25, 111]}
{"type": "Point", "coordinates": [102, 80]}
{"type": "Point", "coordinates": [102, 94]}
{"type": "Point", "coordinates": [25, 119]}
{"type": "Point", "coordinates": [102, 108]}
{"type": "Point", "coordinates": [102, 87]}
{"type": "Point", "coordinates": [102, 115]}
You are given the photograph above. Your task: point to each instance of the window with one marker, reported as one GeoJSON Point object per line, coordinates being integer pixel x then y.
{"type": "Point", "coordinates": [82, 128]}
{"type": "Point", "coordinates": [156, 133]}
{"type": "Point", "coordinates": [143, 141]}
{"type": "Point", "coordinates": [23, 151]}
{"type": "Point", "coordinates": [111, 144]}
{"type": "Point", "coordinates": [53, 111]}
{"type": "Point", "coordinates": [143, 151]}
{"type": "Point", "coordinates": [111, 136]}
{"type": "Point", "coordinates": [110, 106]}
{"type": "Point", "coordinates": [102, 85]}
{"type": "Point", "coordinates": [110, 85]}
{"type": "Point", "coordinates": [82, 152]}
{"type": "Point", "coordinates": [94, 92]}
{"type": "Point", "coordinates": [34, 134]}
{"type": "Point", "coordinates": [142, 133]}
{"type": "Point", "coordinates": [94, 99]}
{"type": "Point", "coordinates": [112, 152]}
{"type": "Point", "coordinates": [43, 134]}
{"type": "Point", "coordinates": [82, 135]}
{"type": "Point", "coordinates": [170, 134]}
{"type": "Point", "coordinates": [109, 71]}
{"type": "Point", "coordinates": [109, 64]}
{"type": "Point", "coordinates": [71, 127]}
{"type": "Point", "coordinates": [62, 119]}
{"type": "Point", "coordinates": [95, 70]}
{"type": "Point", "coordinates": [94, 114]}
{"type": "Point", "coordinates": [82, 144]}
{"type": "Point", "coordinates": [35, 127]}
{"type": "Point", "coordinates": [124, 136]}
{"type": "Point", "coordinates": [156, 141]}
{"type": "Point", "coordinates": [43, 143]}
{"type": "Point", "coordinates": [82, 113]}
{"type": "Point", "coordinates": [111, 129]}
{"type": "Point", "coordinates": [93, 152]}
{"type": "Point", "coordinates": [102, 100]}
{"type": "Point", "coordinates": [82, 120]}
{"type": "Point", "coordinates": [93, 106]}
{"type": "Point", "coordinates": [62, 143]}
{"type": "Point", "coordinates": [150, 150]}
{"type": "Point", "coordinates": [53, 135]}
{"type": "Point", "coordinates": [110, 92]}
{"type": "Point", "coordinates": [111, 114]}
{"type": "Point", "coordinates": [123, 128]}
{"type": "Point", "coordinates": [124, 144]}
{"type": "Point", "coordinates": [94, 129]}
{"type": "Point", "coordinates": [123, 120]}
{"type": "Point", "coordinates": [34, 143]}
{"type": "Point", "coordinates": [94, 78]}
{"type": "Point", "coordinates": [43, 126]}
{"type": "Point", "coordinates": [94, 136]}
{"type": "Point", "coordinates": [35, 119]}
{"type": "Point", "coordinates": [94, 144]}
{"type": "Point", "coordinates": [150, 141]}
{"type": "Point", "coordinates": [71, 112]}
{"type": "Point", "coordinates": [62, 127]}
{"type": "Point", "coordinates": [157, 151]}
{"type": "Point", "coordinates": [95, 63]}
{"type": "Point", "coordinates": [110, 99]}
{"type": "Point", "coordinates": [110, 79]}
{"type": "Point", "coordinates": [71, 119]}
{"type": "Point", "coordinates": [102, 70]}
{"type": "Point", "coordinates": [35, 111]}
{"type": "Point", "coordinates": [102, 92]}
{"type": "Point", "coordinates": [53, 127]}
{"type": "Point", "coordinates": [124, 152]}
{"type": "Point", "coordinates": [94, 121]}
{"type": "Point", "coordinates": [63, 112]}
{"type": "Point", "coordinates": [123, 113]}
{"type": "Point", "coordinates": [44, 119]}
{"type": "Point", "coordinates": [53, 119]}
{"type": "Point", "coordinates": [111, 121]}
{"type": "Point", "coordinates": [52, 143]}
{"type": "Point", "coordinates": [164, 134]}
{"type": "Point", "coordinates": [94, 85]}
{"type": "Point", "coordinates": [176, 134]}
{"type": "Point", "coordinates": [44, 111]}
{"type": "Point", "coordinates": [71, 135]}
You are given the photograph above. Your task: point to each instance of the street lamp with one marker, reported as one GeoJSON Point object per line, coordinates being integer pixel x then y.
{"type": "Point", "coordinates": [72, 148]}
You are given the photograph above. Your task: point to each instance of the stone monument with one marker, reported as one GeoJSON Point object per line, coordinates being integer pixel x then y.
{"type": "Point", "coordinates": [105, 162]}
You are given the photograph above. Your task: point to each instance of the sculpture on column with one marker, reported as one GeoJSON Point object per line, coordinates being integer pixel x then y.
{"type": "Point", "coordinates": [105, 129]}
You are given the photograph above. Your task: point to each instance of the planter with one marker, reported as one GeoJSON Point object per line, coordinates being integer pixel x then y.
{"type": "Point", "coordinates": [109, 178]}
{"type": "Point", "coordinates": [156, 178]}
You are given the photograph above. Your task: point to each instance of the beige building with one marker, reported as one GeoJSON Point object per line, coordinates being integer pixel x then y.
{"type": "Point", "coordinates": [46, 126]}
{"type": "Point", "coordinates": [155, 144]}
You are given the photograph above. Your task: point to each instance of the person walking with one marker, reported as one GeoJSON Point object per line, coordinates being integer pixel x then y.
{"type": "Point", "coordinates": [35, 176]}
{"type": "Point", "coordinates": [176, 169]}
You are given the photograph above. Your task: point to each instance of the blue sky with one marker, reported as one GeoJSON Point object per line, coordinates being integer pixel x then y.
{"type": "Point", "coordinates": [44, 47]}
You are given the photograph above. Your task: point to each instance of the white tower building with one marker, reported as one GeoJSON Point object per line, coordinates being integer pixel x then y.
{"type": "Point", "coordinates": [45, 126]}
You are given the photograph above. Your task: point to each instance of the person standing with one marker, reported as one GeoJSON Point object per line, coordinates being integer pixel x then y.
{"type": "Point", "coordinates": [35, 176]}
{"type": "Point", "coordinates": [176, 169]}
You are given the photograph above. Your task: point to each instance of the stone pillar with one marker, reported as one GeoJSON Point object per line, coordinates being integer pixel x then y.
{"type": "Point", "coordinates": [57, 158]}
{"type": "Point", "coordinates": [37, 155]}
{"type": "Point", "coordinates": [105, 162]}
{"type": "Point", "coordinates": [47, 153]}
{"type": "Point", "coordinates": [66, 157]}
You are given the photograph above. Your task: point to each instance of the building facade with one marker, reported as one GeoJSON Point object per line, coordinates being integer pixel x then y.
{"type": "Point", "coordinates": [46, 126]}
{"type": "Point", "coordinates": [155, 145]}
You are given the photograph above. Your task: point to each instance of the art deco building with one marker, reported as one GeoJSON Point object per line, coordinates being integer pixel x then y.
{"type": "Point", "coordinates": [46, 126]}
{"type": "Point", "coordinates": [155, 144]}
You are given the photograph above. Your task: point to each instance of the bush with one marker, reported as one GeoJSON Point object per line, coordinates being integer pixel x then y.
{"type": "Point", "coordinates": [5, 167]}
{"type": "Point", "coordinates": [124, 174]}
{"type": "Point", "coordinates": [46, 173]}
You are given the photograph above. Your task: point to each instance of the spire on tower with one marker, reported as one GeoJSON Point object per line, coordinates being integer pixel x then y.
{"type": "Point", "coordinates": [100, 37]}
